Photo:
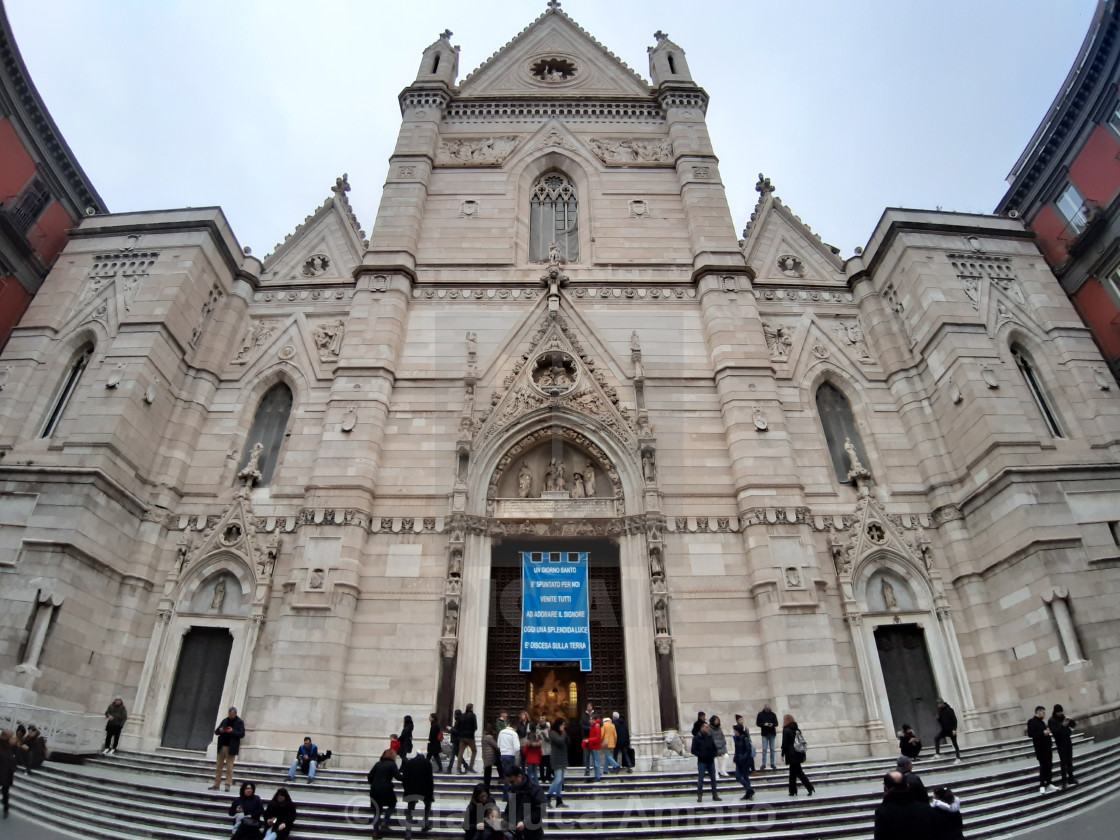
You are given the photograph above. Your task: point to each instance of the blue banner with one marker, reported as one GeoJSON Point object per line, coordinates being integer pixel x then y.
{"type": "Point", "coordinates": [555, 626]}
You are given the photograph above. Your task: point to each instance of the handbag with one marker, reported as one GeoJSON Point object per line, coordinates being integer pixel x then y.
{"type": "Point", "coordinates": [799, 744]}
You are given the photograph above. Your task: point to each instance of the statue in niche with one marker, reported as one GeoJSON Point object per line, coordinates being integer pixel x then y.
{"type": "Point", "coordinates": [252, 471]}
{"type": "Point", "coordinates": [589, 479]}
{"type": "Point", "coordinates": [524, 481]}
{"type": "Point", "coordinates": [649, 468]}
{"type": "Point", "coordinates": [328, 338]}
{"type": "Point", "coordinates": [661, 618]}
{"type": "Point", "coordinates": [472, 344]}
{"type": "Point", "coordinates": [890, 599]}
{"type": "Point", "coordinates": [451, 619]}
{"type": "Point", "coordinates": [577, 486]}
{"type": "Point", "coordinates": [656, 567]}
{"type": "Point", "coordinates": [635, 343]}
{"type": "Point", "coordinates": [554, 479]}
{"type": "Point", "coordinates": [793, 577]}
{"type": "Point", "coordinates": [455, 567]}
{"type": "Point", "coordinates": [317, 576]}
{"type": "Point", "coordinates": [183, 550]}
{"type": "Point", "coordinates": [219, 598]}
{"type": "Point", "coordinates": [554, 253]}
{"type": "Point", "coordinates": [855, 467]}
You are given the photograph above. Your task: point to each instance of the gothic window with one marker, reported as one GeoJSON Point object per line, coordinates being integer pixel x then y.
{"type": "Point", "coordinates": [552, 218]}
{"type": "Point", "coordinates": [839, 426]}
{"type": "Point", "coordinates": [269, 425]}
{"type": "Point", "coordinates": [1034, 385]}
{"type": "Point", "coordinates": [66, 390]}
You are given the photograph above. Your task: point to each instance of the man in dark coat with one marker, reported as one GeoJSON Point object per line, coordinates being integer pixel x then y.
{"type": "Point", "coordinates": [947, 728]}
{"type": "Point", "coordinates": [1061, 728]}
{"type": "Point", "coordinates": [585, 733]}
{"type": "Point", "coordinates": [622, 743]}
{"type": "Point", "coordinates": [419, 786]}
{"type": "Point", "coordinates": [914, 783]}
{"type": "Point", "coordinates": [1043, 750]}
{"type": "Point", "coordinates": [468, 725]}
{"type": "Point", "coordinates": [767, 723]}
{"type": "Point", "coordinates": [115, 717]}
{"type": "Point", "coordinates": [525, 807]}
{"type": "Point", "coordinates": [701, 719]}
{"type": "Point", "coordinates": [230, 731]}
{"type": "Point", "coordinates": [900, 816]}
{"type": "Point", "coordinates": [704, 748]}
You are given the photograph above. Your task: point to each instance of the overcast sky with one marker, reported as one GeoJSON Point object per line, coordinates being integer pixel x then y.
{"type": "Point", "coordinates": [258, 105]}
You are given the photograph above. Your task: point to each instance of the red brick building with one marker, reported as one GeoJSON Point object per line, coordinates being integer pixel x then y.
{"type": "Point", "coordinates": [43, 190]}
{"type": "Point", "coordinates": [1066, 184]}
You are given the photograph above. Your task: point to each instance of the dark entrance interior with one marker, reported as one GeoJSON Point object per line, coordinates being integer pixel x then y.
{"type": "Point", "coordinates": [192, 711]}
{"type": "Point", "coordinates": [904, 658]}
{"type": "Point", "coordinates": [556, 685]}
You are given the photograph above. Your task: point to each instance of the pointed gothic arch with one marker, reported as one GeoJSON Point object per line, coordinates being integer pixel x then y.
{"type": "Point", "coordinates": [580, 170]}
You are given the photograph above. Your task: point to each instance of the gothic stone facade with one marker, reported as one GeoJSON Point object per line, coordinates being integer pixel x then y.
{"type": "Point", "coordinates": [789, 454]}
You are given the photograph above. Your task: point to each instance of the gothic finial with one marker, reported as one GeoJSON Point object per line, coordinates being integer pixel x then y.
{"type": "Point", "coordinates": [764, 186]}
{"type": "Point", "coordinates": [341, 185]}
{"type": "Point", "coordinates": [553, 4]}
{"type": "Point", "coordinates": [660, 36]}
{"type": "Point", "coordinates": [446, 34]}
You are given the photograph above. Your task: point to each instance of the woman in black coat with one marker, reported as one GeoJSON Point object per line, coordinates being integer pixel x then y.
{"type": "Point", "coordinates": [793, 757]}
{"type": "Point", "coordinates": [435, 745]}
{"type": "Point", "coordinates": [382, 799]}
{"type": "Point", "coordinates": [279, 816]}
{"type": "Point", "coordinates": [406, 736]}
{"type": "Point", "coordinates": [7, 765]}
{"type": "Point", "coordinates": [248, 813]}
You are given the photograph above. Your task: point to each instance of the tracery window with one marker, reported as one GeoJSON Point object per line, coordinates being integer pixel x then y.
{"type": "Point", "coordinates": [269, 425]}
{"type": "Point", "coordinates": [553, 218]}
{"type": "Point", "coordinates": [839, 426]}
{"type": "Point", "coordinates": [1034, 385]}
{"type": "Point", "coordinates": [66, 390]}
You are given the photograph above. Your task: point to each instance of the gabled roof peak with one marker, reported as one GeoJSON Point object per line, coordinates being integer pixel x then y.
{"type": "Point", "coordinates": [337, 198]}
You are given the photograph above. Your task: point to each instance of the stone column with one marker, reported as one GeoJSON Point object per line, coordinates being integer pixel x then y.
{"type": "Point", "coordinates": [44, 611]}
{"type": "Point", "coordinates": [1056, 598]}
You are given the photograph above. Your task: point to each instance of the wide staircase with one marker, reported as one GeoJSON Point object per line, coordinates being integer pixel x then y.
{"type": "Point", "coordinates": [164, 795]}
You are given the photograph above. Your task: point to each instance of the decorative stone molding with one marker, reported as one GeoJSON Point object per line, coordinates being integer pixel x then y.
{"type": "Point", "coordinates": [639, 209]}
{"type": "Point", "coordinates": [486, 151]}
{"type": "Point", "coordinates": [554, 139]}
{"type": "Point", "coordinates": [315, 265]}
{"type": "Point", "coordinates": [774, 516]}
{"type": "Point", "coordinates": [850, 333]}
{"type": "Point", "coordinates": [779, 340]}
{"type": "Point", "coordinates": [468, 209]}
{"type": "Point", "coordinates": [492, 111]}
{"type": "Point", "coordinates": [1102, 379]}
{"type": "Point", "coordinates": [813, 295]}
{"type": "Point", "coordinates": [552, 70]}
{"type": "Point", "coordinates": [296, 295]}
{"type": "Point", "coordinates": [791, 266]}
{"type": "Point", "coordinates": [632, 151]}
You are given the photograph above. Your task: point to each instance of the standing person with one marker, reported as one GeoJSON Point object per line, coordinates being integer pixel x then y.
{"type": "Point", "coordinates": [947, 728]}
{"type": "Point", "coordinates": [606, 752]}
{"type": "Point", "coordinates": [382, 798]}
{"type": "Point", "coordinates": [435, 739]}
{"type": "Point", "coordinates": [230, 730]}
{"type": "Point", "coordinates": [7, 765]}
{"type": "Point", "coordinates": [1061, 728]}
{"type": "Point", "coordinates": [279, 816]}
{"type": "Point", "coordinates": [744, 759]}
{"type": "Point", "coordinates": [558, 735]}
{"type": "Point", "coordinates": [524, 807]}
{"type": "Point", "coordinates": [594, 745]}
{"type": "Point", "coordinates": [704, 748]}
{"type": "Point", "coordinates": [468, 726]}
{"type": "Point", "coordinates": [115, 716]}
{"type": "Point", "coordinates": [622, 742]}
{"type": "Point", "coordinates": [721, 743]}
{"type": "Point", "coordinates": [531, 757]}
{"type": "Point", "coordinates": [585, 733]}
{"type": "Point", "coordinates": [407, 728]}
{"type": "Point", "coordinates": [453, 731]}
{"type": "Point", "coordinates": [793, 751]}
{"type": "Point", "coordinates": [247, 811]}
{"type": "Point", "coordinates": [523, 727]}
{"type": "Point", "coordinates": [475, 813]}
{"type": "Point", "coordinates": [908, 743]}
{"type": "Point", "coordinates": [509, 751]}
{"type": "Point", "coordinates": [1043, 750]}
{"type": "Point", "coordinates": [899, 816]}
{"type": "Point", "coordinates": [945, 818]}
{"type": "Point", "coordinates": [914, 783]}
{"type": "Point", "coordinates": [542, 729]}
{"type": "Point", "coordinates": [489, 755]}
{"type": "Point", "coordinates": [33, 750]}
{"type": "Point", "coordinates": [307, 760]}
{"type": "Point", "coordinates": [419, 785]}
{"type": "Point", "coordinates": [701, 719]}
{"type": "Point", "coordinates": [767, 723]}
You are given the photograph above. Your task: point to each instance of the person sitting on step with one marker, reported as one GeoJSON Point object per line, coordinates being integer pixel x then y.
{"type": "Point", "coordinates": [908, 743]}
{"type": "Point", "coordinates": [247, 811]}
{"type": "Point", "coordinates": [279, 816]}
{"type": "Point", "coordinates": [307, 761]}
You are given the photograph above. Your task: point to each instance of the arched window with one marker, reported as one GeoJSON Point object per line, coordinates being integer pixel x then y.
{"type": "Point", "coordinates": [552, 218]}
{"type": "Point", "coordinates": [1034, 385]}
{"type": "Point", "coordinates": [67, 389]}
{"type": "Point", "coordinates": [839, 427]}
{"type": "Point", "coordinates": [269, 425]}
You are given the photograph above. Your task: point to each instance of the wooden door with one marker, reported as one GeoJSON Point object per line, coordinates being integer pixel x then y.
{"type": "Point", "coordinates": [193, 708]}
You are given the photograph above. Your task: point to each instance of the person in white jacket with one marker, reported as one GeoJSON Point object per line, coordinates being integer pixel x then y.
{"type": "Point", "coordinates": [509, 754]}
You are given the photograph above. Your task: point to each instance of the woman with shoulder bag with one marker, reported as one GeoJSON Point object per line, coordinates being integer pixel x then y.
{"type": "Point", "coordinates": [793, 751]}
{"type": "Point", "coordinates": [247, 811]}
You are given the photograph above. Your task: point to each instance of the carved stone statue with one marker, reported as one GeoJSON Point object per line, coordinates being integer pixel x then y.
{"type": "Point", "coordinates": [661, 618]}
{"type": "Point", "coordinates": [524, 481]}
{"type": "Point", "coordinates": [219, 598]}
{"type": "Point", "coordinates": [855, 468]}
{"type": "Point", "coordinates": [455, 566]}
{"type": "Point", "coordinates": [779, 340]}
{"type": "Point", "coordinates": [589, 479]}
{"type": "Point", "coordinates": [328, 338]}
{"type": "Point", "coordinates": [553, 253]}
{"type": "Point", "coordinates": [451, 619]}
{"type": "Point", "coordinates": [635, 343]}
{"type": "Point", "coordinates": [317, 576]}
{"type": "Point", "coordinates": [656, 567]}
{"type": "Point", "coordinates": [251, 473]}
{"type": "Point", "coordinates": [559, 479]}
{"type": "Point", "coordinates": [890, 599]}
{"type": "Point", "coordinates": [649, 468]}
{"type": "Point", "coordinates": [577, 486]}
{"type": "Point", "coordinates": [472, 344]}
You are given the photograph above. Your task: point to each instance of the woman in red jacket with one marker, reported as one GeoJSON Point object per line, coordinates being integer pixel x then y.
{"type": "Point", "coordinates": [532, 754]}
{"type": "Point", "coordinates": [594, 744]}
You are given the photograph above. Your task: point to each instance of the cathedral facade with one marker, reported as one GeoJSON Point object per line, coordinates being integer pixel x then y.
{"type": "Point", "coordinates": [306, 486]}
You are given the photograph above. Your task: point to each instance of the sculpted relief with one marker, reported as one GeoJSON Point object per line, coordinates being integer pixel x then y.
{"type": "Point", "coordinates": [553, 470]}
{"type": "Point", "coordinates": [632, 150]}
{"type": "Point", "coordinates": [489, 151]}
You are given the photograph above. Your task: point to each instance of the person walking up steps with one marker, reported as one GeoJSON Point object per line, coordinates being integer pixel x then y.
{"type": "Point", "coordinates": [744, 759]}
{"type": "Point", "coordinates": [947, 728]}
{"type": "Point", "coordinates": [704, 748]}
{"type": "Point", "coordinates": [558, 735]}
{"type": "Point", "coordinates": [1061, 728]}
{"type": "Point", "coordinates": [468, 726]}
{"type": "Point", "coordinates": [115, 716]}
{"type": "Point", "coordinates": [435, 741]}
{"type": "Point", "coordinates": [1043, 750]}
{"type": "Point", "coordinates": [793, 751]}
